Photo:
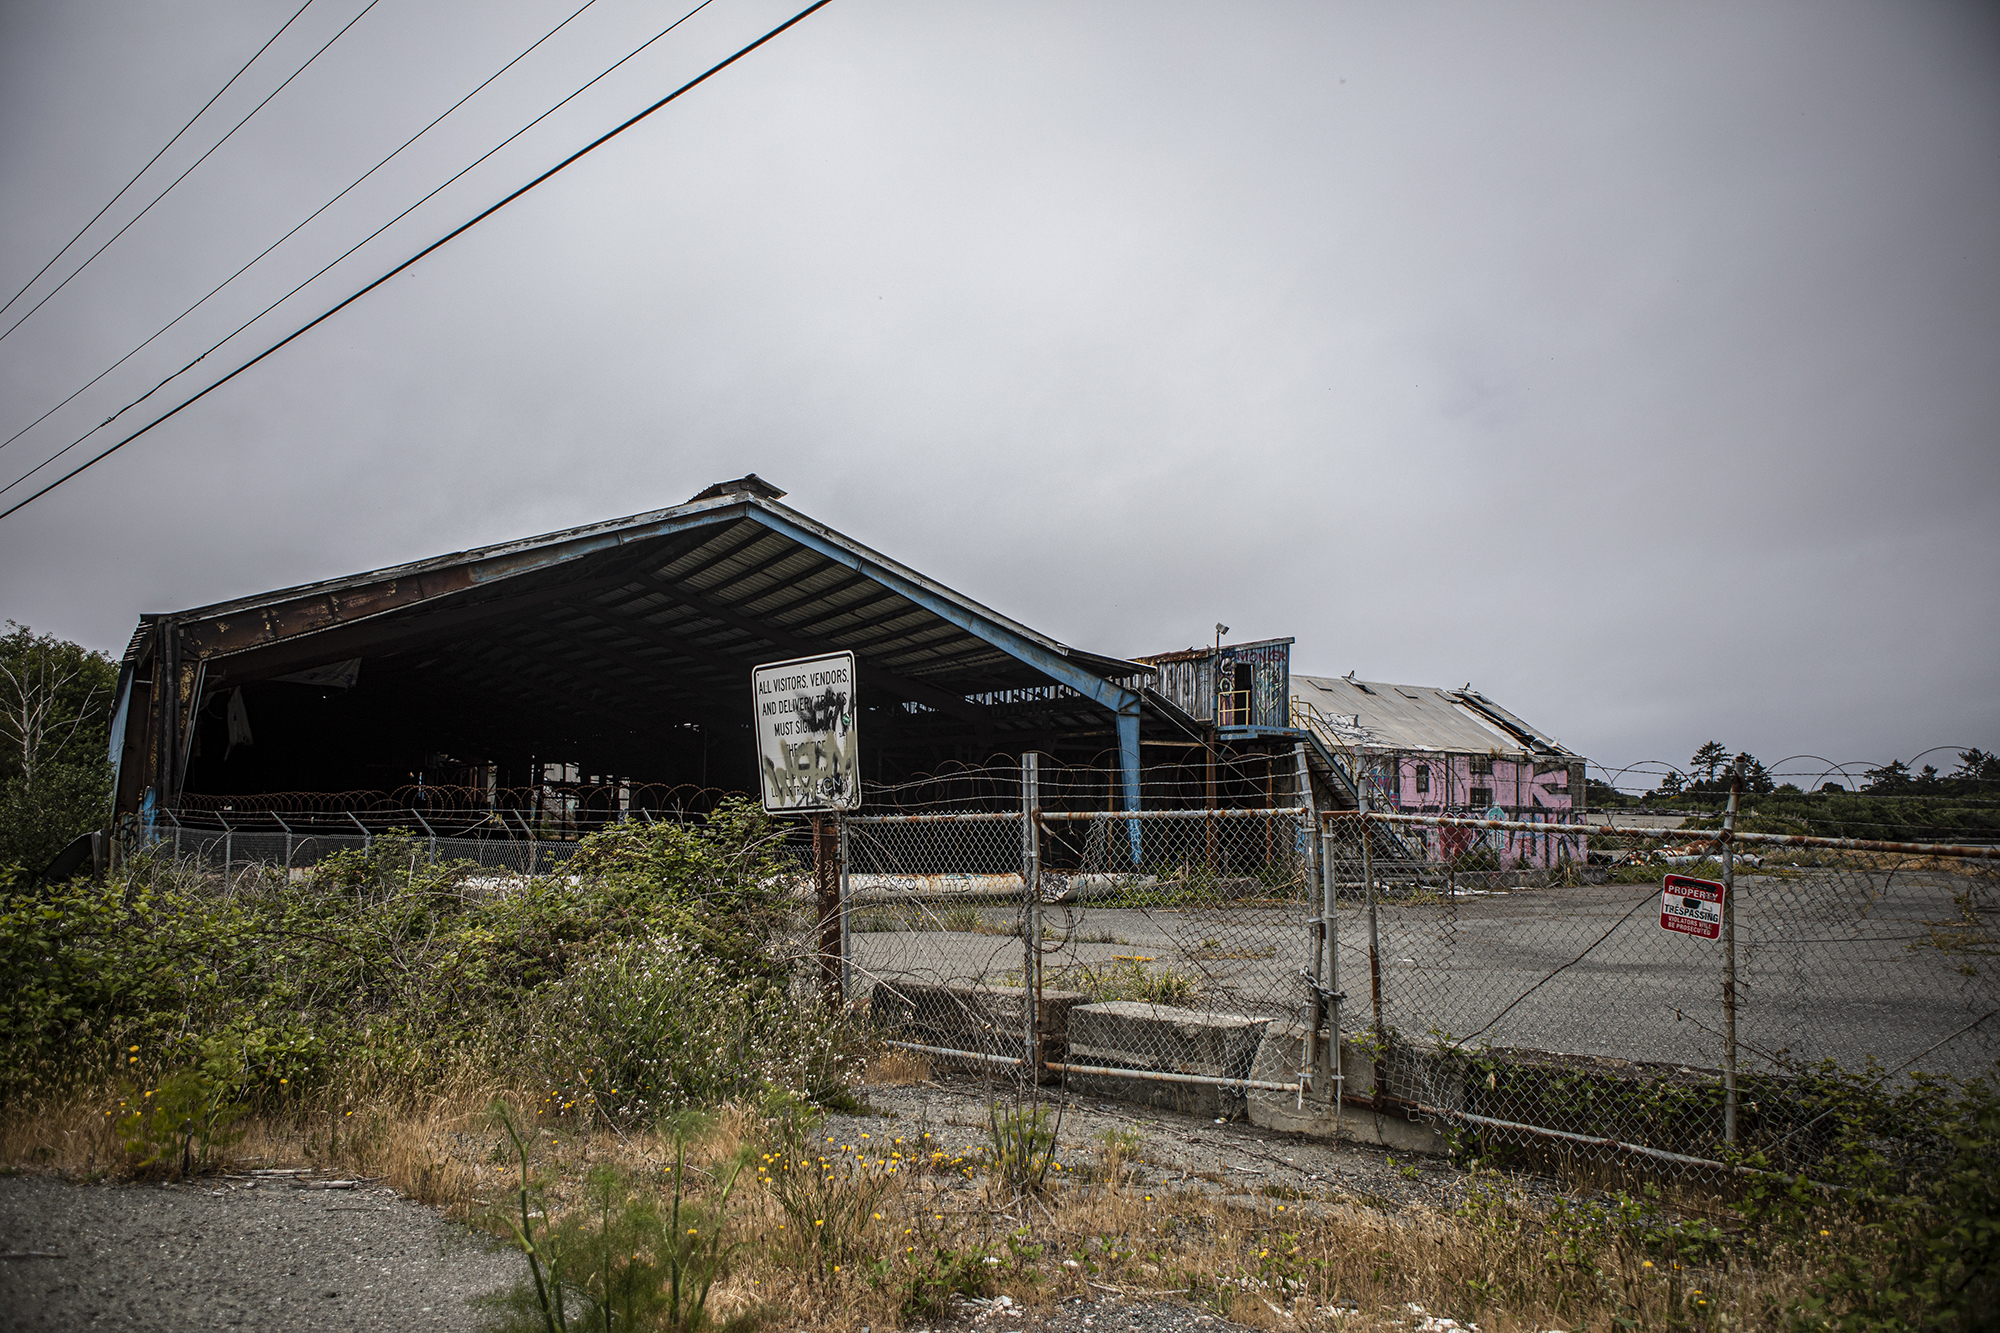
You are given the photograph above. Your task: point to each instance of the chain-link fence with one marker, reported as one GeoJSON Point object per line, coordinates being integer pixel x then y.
{"type": "Point", "coordinates": [248, 847]}
{"type": "Point", "coordinates": [1649, 994]}
{"type": "Point", "coordinates": [1132, 953]}
{"type": "Point", "coordinates": [1652, 991]}
{"type": "Point", "coordinates": [227, 842]}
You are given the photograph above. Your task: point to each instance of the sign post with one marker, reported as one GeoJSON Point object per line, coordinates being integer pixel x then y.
{"type": "Point", "coordinates": [1692, 906]}
{"type": "Point", "coordinates": [809, 763]}
{"type": "Point", "coordinates": [808, 760]}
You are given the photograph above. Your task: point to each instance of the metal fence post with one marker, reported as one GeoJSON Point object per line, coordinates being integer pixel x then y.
{"type": "Point", "coordinates": [367, 839]}
{"type": "Point", "coordinates": [433, 834]}
{"type": "Point", "coordinates": [1031, 912]}
{"type": "Point", "coordinates": [846, 926]}
{"type": "Point", "coordinates": [826, 884]}
{"type": "Point", "coordinates": [1316, 864]}
{"type": "Point", "coordinates": [1374, 937]}
{"type": "Point", "coordinates": [288, 841]}
{"type": "Point", "coordinates": [1330, 924]}
{"type": "Point", "coordinates": [1729, 959]}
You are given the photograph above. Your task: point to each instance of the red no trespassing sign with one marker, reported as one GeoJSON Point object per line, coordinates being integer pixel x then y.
{"type": "Point", "coordinates": [1691, 906]}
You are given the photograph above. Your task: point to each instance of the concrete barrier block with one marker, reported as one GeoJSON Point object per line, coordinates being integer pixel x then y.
{"type": "Point", "coordinates": [989, 1020]}
{"type": "Point", "coordinates": [1127, 1034]}
{"type": "Point", "coordinates": [1278, 1060]}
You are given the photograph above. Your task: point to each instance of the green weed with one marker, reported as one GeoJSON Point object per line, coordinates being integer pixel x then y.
{"type": "Point", "coordinates": [623, 1263]}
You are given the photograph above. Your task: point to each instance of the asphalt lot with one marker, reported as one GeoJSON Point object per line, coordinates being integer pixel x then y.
{"type": "Point", "coordinates": [1828, 966]}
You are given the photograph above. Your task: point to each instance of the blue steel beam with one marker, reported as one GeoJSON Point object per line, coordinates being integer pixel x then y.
{"type": "Point", "coordinates": [1128, 766]}
{"type": "Point", "coordinates": [1023, 649]}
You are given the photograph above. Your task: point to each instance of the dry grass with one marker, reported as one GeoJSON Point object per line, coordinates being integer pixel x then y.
{"type": "Point", "coordinates": [899, 1067]}
{"type": "Point", "coordinates": [1265, 1261]}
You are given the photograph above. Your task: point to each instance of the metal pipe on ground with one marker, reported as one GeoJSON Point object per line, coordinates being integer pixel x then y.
{"type": "Point", "coordinates": [1163, 1076]}
{"type": "Point", "coordinates": [1971, 852]}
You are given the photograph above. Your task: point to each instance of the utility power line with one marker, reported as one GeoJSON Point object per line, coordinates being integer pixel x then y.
{"type": "Point", "coordinates": [185, 174]}
{"type": "Point", "coordinates": [442, 241]}
{"type": "Point", "coordinates": [280, 241]}
{"type": "Point", "coordinates": [155, 157]}
{"type": "Point", "coordinates": [572, 96]}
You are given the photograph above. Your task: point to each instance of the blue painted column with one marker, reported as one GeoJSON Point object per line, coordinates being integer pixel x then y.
{"type": "Point", "coordinates": [1128, 763]}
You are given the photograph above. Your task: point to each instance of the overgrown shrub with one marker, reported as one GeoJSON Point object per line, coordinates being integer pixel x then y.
{"type": "Point", "coordinates": [650, 1026]}
{"type": "Point", "coordinates": [378, 969]}
{"type": "Point", "coordinates": [1908, 1175]}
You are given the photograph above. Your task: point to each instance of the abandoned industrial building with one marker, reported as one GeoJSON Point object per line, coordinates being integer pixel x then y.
{"type": "Point", "coordinates": [546, 685]}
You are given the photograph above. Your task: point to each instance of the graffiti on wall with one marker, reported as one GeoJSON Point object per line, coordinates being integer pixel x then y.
{"type": "Point", "coordinates": [1485, 787]}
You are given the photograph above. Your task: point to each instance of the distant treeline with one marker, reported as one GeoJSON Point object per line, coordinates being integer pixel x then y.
{"type": "Point", "coordinates": [1894, 802]}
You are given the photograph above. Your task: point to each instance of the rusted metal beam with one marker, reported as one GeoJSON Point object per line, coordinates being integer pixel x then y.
{"type": "Point", "coordinates": [1694, 835]}
{"type": "Point", "coordinates": [317, 611]}
{"type": "Point", "coordinates": [1120, 816]}
{"type": "Point", "coordinates": [354, 639]}
{"type": "Point", "coordinates": [969, 817]}
{"type": "Point", "coordinates": [1167, 1076]}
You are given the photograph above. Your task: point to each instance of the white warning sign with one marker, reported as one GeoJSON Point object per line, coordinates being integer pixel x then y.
{"type": "Point", "coordinates": [807, 755]}
{"type": "Point", "coordinates": [1691, 906]}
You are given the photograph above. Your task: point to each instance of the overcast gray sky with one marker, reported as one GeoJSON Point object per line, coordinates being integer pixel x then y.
{"type": "Point", "coordinates": [1639, 364]}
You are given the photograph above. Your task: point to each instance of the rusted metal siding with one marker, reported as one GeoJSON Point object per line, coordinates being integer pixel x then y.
{"type": "Point", "coordinates": [1255, 681]}
{"type": "Point", "coordinates": [1189, 685]}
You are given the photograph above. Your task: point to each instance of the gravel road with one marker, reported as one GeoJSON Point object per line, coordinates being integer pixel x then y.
{"type": "Point", "coordinates": [212, 1256]}
{"type": "Point", "coordinates": [235, 1254]}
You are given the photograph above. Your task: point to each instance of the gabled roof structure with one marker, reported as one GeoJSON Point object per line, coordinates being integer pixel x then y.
{"type": "Point", "coordinates": [1378, 715]}
{"type": "Point", "coordinates": [624, 639]}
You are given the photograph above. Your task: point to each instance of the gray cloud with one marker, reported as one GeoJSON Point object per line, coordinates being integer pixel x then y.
{"type": "Point", "coordinates": [1637, 364]}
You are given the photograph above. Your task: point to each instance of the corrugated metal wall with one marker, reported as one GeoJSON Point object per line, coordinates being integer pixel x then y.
{"type": "Point", "coordinates": [1189, 683]}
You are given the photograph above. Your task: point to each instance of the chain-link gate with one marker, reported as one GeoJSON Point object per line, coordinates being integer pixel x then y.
{"type": "Point", "coordinates": [1130, 952]}
{"type": "Point", "coordinates": [1515, 979]}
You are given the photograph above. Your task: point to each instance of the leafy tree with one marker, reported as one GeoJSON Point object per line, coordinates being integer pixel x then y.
{"type": "Point", "coordinates": [1671, 785]}
{"type": "Point", "coordinates": [1978, 764]}
{"type": "Point", "coordinates": [55, 717]}
{"type": "Point", "coordinates": [1756, 779]}
{"type": "Point", "coordinates": [1708, 759]}
{"type": "Point", "coordinates": [1598, 794]}
{"type": "Point", "coordinates": [1891, 777]}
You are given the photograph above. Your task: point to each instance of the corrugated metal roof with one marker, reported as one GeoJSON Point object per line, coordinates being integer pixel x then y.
{"type": "Point", "coordinates": [1385, 716]}
{"type": "Point", "coordinates": [658, 613]}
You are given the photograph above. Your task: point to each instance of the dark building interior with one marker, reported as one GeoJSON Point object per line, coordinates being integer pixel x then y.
{"type": "Point", "coordinates": [615, 660]}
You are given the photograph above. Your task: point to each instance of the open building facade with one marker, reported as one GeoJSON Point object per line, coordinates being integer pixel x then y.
{"type": "Point", "coordinates": [603, 672]}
